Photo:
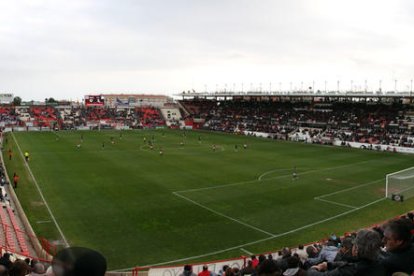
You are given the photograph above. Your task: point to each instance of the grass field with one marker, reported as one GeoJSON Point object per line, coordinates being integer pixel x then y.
{"type": "Point", "coordinates": [192, 203]}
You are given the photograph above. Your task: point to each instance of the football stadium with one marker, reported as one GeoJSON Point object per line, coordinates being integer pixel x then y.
{"type": "Point", "coordinates": [206, 138]}
{"type": "Point", "coordinates": [154, 183]}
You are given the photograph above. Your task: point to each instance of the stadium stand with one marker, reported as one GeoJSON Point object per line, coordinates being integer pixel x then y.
{"type": "Point", "coordinates": [367, 122]}
{"type": "Point", "coordinates": [43, 116]}
{"type": "Point", "coordinates": [317, 122]}
{"type": "Point", "coordinates": [149, 117]}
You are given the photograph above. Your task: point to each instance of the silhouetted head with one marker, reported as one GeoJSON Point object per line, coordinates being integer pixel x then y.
{"type": "Point", "coordinates": [79, 261]}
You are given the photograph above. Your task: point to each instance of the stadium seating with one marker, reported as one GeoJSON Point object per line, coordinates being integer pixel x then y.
{"type": "Point", "coordinates": [364, 122]}
{"type": "Point", "coordinates": [375, 123]}
{"type": "Point", "coordinates": [9, 241]}
{"type": "Point", "coordinates": [43, 116]}
{"type": "Point", "coordinates": [18, 232]}
{"type": "Point", "coordinates": [149, 116]}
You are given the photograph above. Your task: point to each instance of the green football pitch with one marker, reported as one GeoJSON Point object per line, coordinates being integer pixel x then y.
{"type": "Point", "coordinates": [193, 203]}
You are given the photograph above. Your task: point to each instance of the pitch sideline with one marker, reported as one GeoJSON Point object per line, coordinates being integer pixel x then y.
{"type": "Point", "coordinates": [40, 193]}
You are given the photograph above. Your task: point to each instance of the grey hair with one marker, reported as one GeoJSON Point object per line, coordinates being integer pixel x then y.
{"type": "Point", "coordinates": [368, 244]}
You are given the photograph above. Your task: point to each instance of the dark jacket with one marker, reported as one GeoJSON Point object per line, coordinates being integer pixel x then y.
{"type": "Point", "coordinates": [399, 260]}
{"type": "Point", "coordinates": [6, 262]}
{"type": "Point", "coordinates": [358, 268]}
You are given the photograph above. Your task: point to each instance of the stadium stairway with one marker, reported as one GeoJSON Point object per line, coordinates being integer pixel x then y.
{"type": "Point", "coordinates": [9, 238]}
{"type": "Point", "coordinates": [183, 109]}
{"type": "Point", "coordinates": [18, 233]}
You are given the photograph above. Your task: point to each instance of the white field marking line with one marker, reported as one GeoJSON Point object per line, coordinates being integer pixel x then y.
{"type": "Point", "coordinates": [245, 251]}
{"type": "Point", "coordinates": [272, 171]}
{"type": "Point", "coordinates": [224, 185]}
{"type": "Point", "coordinates": [40, 193]}
{"type": "Point", "coordinates": [261, 240]}
{"type": "Point", "coordinates": [270, 178]}
{"type": "Point", "coordinates": [349, 189]}
{"type": "Point", "coordinates": [225, 216]}
{"type": "Point", "coordinates": [320, 198]}
{"type": "Point", "coordinates": [336, 203]}
{"type": "Point", "coordinates": [43, 221]}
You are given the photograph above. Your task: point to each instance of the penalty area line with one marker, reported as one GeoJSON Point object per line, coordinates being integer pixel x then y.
{"type": "Point", "coordinates": [349, 189]}
{"type": "Point", "coordinates": [258, 241]}
{"type": "Point", "coordinates": [335, 203]}
{"type": "Point", "coordinates": [223, 215]}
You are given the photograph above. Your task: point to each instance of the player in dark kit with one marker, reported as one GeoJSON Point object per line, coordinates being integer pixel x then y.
{"type": "Point", "coordinates": [294, 173]}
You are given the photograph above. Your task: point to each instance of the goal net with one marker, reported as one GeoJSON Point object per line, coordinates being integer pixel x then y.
{"type": "Point", "coordinates": [400, 185]}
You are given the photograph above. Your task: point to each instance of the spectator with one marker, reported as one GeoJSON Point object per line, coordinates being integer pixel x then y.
{"type": "Point", "coordinates": [268, 268]}
{"type": "Point", "coordinates": [19, 268]}
{"type": "Point", "coordinates": [223, 270]}
{"type": "Point", "coordinates": [188, 271]}
{"type": "Point", "coordinates": [282, 262]}
{"type": "Point", "coordinates": [294, 268]}
{"type": "Point", "coordinates": [249, 269]}
{"type": "Point", "coordinates": [312, 251]}
{"type": "Point", "coordinates": [255, 261]}
{"type": "Point", "coordinates": [366, 250]}
{"type": "Point", "coordinates": [79, 261]}
{"type": "Point", "coordinates": [38, 269]}
{"type": "Point", "coordinates": [303, 256]}
{"type": "Point", "coordinates": [5, 260]}
{"type": "Point", "coordinates": [328, 253]}
{"type": "Point", "coordinates": [229, 272]}
{"type": "Point", "coordinates": [261, 258]}
{"type": "Point", "coordinates": [345, 252]}
{"type": "Point", "coordinates": [236, 271]}
{"type": "Point", "coordinates": [205, 271]}
{"type": "Point", "coordinates": [399, 255]}
{"type": "Point", "coordinates": [3, 270]}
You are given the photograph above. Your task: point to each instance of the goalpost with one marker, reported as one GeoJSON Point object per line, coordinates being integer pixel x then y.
{"type": "Point", "coordinates": [400, 185]}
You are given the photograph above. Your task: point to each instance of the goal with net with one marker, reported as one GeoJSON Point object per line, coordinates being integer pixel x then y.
{"type": "Point", "coordinates": [400, 185]}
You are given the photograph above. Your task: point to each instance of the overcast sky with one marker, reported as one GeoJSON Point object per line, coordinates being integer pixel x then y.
{"type": "Point", "coordinates": [67, 49]}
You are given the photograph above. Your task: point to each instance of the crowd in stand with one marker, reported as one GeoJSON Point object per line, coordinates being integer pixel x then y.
{"type": "Point", "coordinates": [383, 250]}
{"type": "Point", "coordinates": [386, 250]}
{"type": "Point", "coordinates": [70, 117]}
{"type": "Point", "coordinates": [72, 261]}
{"type": "Point", "coordinates": [367, 122]}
